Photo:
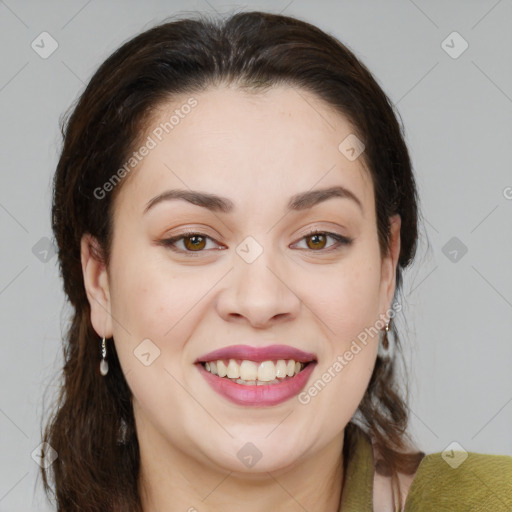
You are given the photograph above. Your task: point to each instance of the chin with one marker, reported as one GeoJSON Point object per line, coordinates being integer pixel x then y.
{"type": "Point", "coordinates": [253, 458]}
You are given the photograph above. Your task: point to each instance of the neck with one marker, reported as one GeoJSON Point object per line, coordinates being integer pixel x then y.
{"type": "Point", "coordinates": [172, 480]}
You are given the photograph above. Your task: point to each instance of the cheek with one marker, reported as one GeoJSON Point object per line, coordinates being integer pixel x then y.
{"type": "Point", "coordinates": [347, 299]}
{"type": "Point", "coordinates": [149, 295]}
{"type": "Point", "coordinates": [155, 314]}
{"type": "Point", "coordinates": [347, 303]}
{"type": "Point", "coordinates": [152, 300]}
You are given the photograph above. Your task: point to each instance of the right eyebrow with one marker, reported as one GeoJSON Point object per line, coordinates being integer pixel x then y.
{"type": "Point", "coordinates": [209, 201]}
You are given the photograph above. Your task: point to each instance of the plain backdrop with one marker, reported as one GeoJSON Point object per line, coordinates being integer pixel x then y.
{"type": "Point", "coordinates": [447, 68]}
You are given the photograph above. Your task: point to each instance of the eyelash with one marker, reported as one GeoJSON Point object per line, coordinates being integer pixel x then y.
{"type": "Point", "coordinates": [169, 242]}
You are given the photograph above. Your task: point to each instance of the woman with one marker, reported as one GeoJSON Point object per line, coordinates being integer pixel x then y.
{"type": "Point", "coordinates": [234, 207]}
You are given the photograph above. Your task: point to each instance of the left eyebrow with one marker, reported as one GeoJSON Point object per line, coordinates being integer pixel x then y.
{"type": "Point", "coordinates": [298, 202]}
{"type": "Point", "coordinates": [311, 198]}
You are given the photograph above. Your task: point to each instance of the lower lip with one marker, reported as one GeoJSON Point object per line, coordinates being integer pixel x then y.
{"type": "Point", "coordinates": [267, 394]}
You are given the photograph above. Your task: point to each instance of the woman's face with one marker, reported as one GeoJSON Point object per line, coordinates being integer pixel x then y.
{"type": "Point", "coordinates": [253, 275]}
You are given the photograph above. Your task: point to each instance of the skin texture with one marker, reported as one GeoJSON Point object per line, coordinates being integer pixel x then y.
{"type": "Point", "coordinates": [257, 150]}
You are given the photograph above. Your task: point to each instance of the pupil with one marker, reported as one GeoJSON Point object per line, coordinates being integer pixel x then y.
{"type": "Point", "coordinates": [316, 238]}
{"type": "Point", "coordinates": [195, 241]}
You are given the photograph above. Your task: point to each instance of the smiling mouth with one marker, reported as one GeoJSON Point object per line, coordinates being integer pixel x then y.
{"type": "Point", "coordinates": [253, 373]}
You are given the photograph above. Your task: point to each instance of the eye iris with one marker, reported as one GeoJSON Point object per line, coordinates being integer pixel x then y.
{"type": "Point", "coordinates": [197, 245]}
{"type": "Point", "coordinates": [317, 236]}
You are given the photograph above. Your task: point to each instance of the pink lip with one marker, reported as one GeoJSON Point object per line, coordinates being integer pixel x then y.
{"type": "Point", "coordinates": [258, 354]}
{"type": "Point", "coordinates": [268, 394]}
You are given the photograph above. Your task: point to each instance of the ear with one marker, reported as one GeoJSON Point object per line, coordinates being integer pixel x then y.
{"type": "Point", "coordinates": [96, 285]}
{"type": "Point", "coordinates": [389, 264]}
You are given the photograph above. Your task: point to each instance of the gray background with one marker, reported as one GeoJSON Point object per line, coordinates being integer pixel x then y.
{"type": "Point", "coordinates": [457, 115]}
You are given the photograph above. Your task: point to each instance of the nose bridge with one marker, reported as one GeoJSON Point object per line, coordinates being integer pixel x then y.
{"type": "Point", "coordinates": [258, 291]}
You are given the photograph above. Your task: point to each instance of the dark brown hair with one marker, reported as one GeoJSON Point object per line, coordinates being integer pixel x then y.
{"type": "Point", "coordinates": [92, 427]}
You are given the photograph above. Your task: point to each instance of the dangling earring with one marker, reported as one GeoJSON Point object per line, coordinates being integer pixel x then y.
{"type": "Point", "coordinates": [103, 362]}
{"type": "Point", "coordinates": [385, 341]}
{"type": "Point", "coordinates": [384, 344]}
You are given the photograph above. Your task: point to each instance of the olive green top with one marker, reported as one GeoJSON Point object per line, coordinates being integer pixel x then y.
{"type": "Point", "coordinates": [476, 483]}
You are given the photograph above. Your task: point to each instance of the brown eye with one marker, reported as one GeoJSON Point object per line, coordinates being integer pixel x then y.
{"type": "Point", "coordinates": [194, 242]}
{"type": "Point", "coordinates": [318, 241]}
{"type": "Point", "coordinates": [190, 242]}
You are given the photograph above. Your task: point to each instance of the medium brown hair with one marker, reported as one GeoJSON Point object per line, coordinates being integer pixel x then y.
{"type": "Point", "coordinates": [92, 427]}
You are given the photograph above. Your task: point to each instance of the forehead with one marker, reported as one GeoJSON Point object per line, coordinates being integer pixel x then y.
{"type": "Point", "coordinates": [247, 145]}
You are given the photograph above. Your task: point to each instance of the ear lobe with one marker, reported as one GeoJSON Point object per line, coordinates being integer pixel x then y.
{"type": "Point", "coordinates": [96, 285]}
{"type": "Point", "coordinates": [390, 261]}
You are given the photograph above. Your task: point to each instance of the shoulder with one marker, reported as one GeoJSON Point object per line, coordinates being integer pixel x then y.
{"type": "Point", "coordinates": [461, 480]}
{"type": "Point", "coordinates": [451, 481]}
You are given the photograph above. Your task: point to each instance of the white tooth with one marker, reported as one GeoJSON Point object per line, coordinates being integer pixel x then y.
{"type": "Point", "coordinates": [221, 368]}
{"type": "Point", "coordinates": [281, 369]}
{"type": "Point", "coordinates": [260, 383]}
{"type": "Point", "coordinates": [207, 366]}
{"type": "Point", "coordinates": [213, 368]}
{"type": "Point", "coordinates": [248, 370]}
{"type": "Point", "coordinates": [233, 371]}
{"type": "Point", "coordinates": [297, 367]}
{"type": "Point", "coordinates": [266, 371]}
{"type": "Point", "coordinates": [290, 368]}
{"type": "Point", "coordinates": [251, 382]}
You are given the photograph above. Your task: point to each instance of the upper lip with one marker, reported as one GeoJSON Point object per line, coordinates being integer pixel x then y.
{"type": "Point", "coordinates": [258, 354]}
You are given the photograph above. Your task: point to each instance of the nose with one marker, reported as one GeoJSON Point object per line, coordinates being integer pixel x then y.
{"type": "Point", "coordinates": [259, 294]}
